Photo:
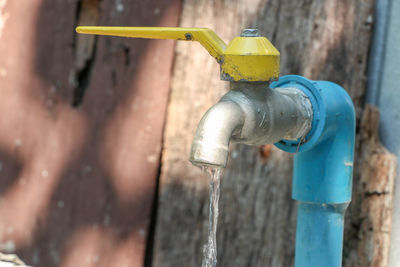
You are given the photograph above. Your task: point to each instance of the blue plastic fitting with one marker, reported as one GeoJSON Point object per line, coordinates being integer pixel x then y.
{"type": "Point", "coordinates": [323, 168]}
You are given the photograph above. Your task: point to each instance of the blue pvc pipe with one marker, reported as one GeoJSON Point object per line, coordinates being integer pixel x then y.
{"type": "Point", "coordinates": [319, 234]}
{"type": "Point", "coordinates": [323, 167]}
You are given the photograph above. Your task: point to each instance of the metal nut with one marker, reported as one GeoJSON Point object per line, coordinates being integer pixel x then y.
{"type": "Point", "coordinates": [250, 33]}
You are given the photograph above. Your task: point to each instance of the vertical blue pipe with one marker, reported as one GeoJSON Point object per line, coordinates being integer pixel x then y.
{"type": "Point", "coordinates": [323, 167]}
{"type": "Point", "coordinates": [319, 234]}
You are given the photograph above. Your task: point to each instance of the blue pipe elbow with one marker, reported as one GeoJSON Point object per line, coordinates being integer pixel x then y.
{"type": "Point", "coordinates": [323, 164]}
{"type": "Point", "coordinates": [323, 168]}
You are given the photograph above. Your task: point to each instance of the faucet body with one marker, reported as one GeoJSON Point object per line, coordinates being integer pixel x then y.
{"type": "Point", "coordinates": [313, 119]}
{"type": "Point", "coordinates": [251, 113]}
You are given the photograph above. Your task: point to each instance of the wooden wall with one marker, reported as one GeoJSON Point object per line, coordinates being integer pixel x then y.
{"type": "Point", "coordinates": [81, 122]}
{"type": "Point", "coordinates": [327, 40]}
{"type": "Point", "coordinates": [81, 134]}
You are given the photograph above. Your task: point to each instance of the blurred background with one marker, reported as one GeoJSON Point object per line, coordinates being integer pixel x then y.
{"type": "Point", "coordinates": [95, 132]}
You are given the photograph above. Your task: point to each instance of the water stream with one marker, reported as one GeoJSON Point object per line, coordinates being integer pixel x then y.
{"type": "Point", "coordinates": [210, 249]}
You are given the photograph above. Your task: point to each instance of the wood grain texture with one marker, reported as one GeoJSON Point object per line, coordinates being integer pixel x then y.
{"type": "Point", "coordinates": [326, 40]}
{"type": "Point", "coordinates": [372, 210]}
{"type": "Point", "coordinates": [81, 122]}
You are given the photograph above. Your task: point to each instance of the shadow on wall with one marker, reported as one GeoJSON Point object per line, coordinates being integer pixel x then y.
{"type": "Point", "coordinates": [81, 141]}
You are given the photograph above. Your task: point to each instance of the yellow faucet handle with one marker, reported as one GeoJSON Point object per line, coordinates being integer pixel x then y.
{"type": "Point", "coordinates": [249, 57]}
{"type": "Point", "coordinates": [206, 37]}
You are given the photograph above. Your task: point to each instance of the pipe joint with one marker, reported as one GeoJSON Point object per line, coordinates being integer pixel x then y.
{"type": "Point", "coordinates": [323, 164]}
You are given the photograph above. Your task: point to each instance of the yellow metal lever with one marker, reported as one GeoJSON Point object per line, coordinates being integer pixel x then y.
{"type": "Point", "coordinates": [246, 58]}
{"type": "Point", "coordinates": [206, 37]}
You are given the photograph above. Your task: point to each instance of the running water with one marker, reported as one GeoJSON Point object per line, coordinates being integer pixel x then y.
{"type": "Point", "coordinates": [210, 249]}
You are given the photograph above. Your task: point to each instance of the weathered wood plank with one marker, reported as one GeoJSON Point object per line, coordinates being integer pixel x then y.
{"type": "Point", "coordinates": [319, 39]}
{"type": "Point", "coordinates": [80, 130]}
{"type": "Point", "coordinates": [371, 222]}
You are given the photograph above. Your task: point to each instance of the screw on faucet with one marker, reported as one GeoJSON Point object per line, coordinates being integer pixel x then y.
{"type": "Point", "coordinates": [250, 33]}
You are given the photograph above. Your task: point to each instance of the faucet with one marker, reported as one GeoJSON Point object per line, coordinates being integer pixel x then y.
{"type": "Point", "coordinates": [315, 120]}
{"type": "Point", "coordinates": [250, 113]}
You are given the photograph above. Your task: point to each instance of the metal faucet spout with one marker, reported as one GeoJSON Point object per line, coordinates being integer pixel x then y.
{"type": "Point", "coordinates": [211, 142]}
{"type": "Point", "coordinates": [253, 114]}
